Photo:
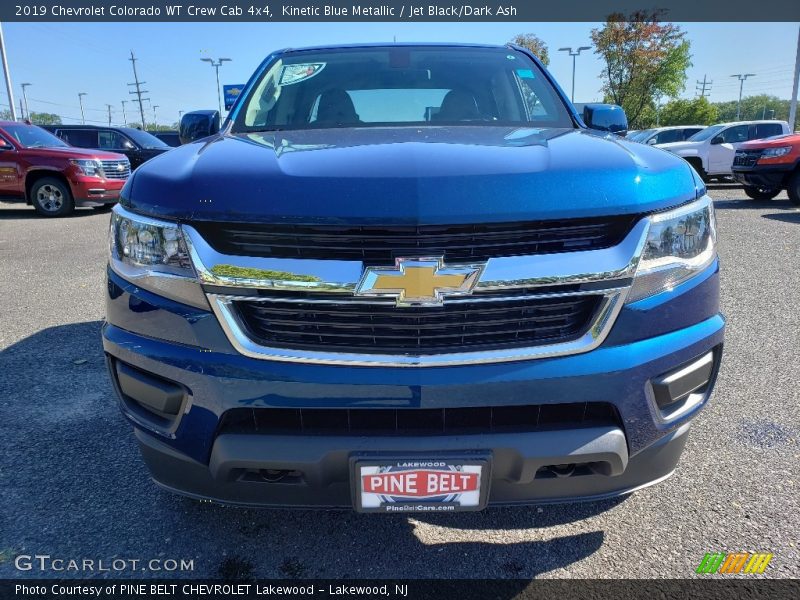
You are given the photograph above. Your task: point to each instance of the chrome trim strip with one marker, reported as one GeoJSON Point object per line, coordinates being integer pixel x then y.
{"type": "Point", "coordinates": [612, 303]}
{"type": "Point", "coordinates": [343, 277]}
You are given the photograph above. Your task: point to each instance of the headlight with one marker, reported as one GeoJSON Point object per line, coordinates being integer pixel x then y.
{"type": "Point", "coordinates": [153, 255]}
{"type": "Point", "coordinates": [775, 152]}
{"type": "Point", "coordinates": [680, 243]}
{"type": "Point", "coordinates": [89, 167]}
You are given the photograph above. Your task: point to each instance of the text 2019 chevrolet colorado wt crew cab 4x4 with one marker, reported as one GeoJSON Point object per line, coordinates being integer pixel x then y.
{"type": "Point", "coordinates": [411, 277]}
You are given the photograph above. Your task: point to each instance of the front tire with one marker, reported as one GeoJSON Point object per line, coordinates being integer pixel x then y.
{"type": "Point", "coordinates": [52, 197]}
{"type": "Point", "coordinates": [697, 165]}
{"type": "Point", "coordinates": [793, 188]}
{"type": "Point", "coordinates": [759, 193]}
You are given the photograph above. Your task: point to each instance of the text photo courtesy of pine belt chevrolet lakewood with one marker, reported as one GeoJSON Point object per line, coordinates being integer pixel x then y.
{"type": "Point", "coordinates": [38, 168]}
{"type": "Point", "coordinates": [411, 278]}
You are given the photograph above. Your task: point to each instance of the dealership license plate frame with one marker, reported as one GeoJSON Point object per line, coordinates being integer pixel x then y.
{"type": "Point", "coordinates": [483, 461]}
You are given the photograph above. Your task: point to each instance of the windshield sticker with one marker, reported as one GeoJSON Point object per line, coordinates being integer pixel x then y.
{"type": "Point", "coordinates": [296, 73]}
{"type": "Point", "coordinates": [525, 74]}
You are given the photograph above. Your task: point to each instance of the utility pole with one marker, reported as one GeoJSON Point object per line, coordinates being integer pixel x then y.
{"type": "Point", "coordinates": [124, 116]}
{"type": "Point", "coordinates": [701, 91]}
{"type": "Point", "coordinates": [155, 120]}
{"type": "Point", "coordinates": [216, 66]}
{"type": "Point", "coordinates": [80, 101]}
{"type": "Point", "coordinates": [574, 54]}
{"type": "Point", "coordinates": [25, 96]}
{"type": "Point", "coordinates": [9, 89]}
{"type": "Point", "coordinates": [793, 104]}
{"type": "Point", "coordinates": [108, 106]}
{"type": "Point", "coordinates": [138, 91]}
{"type": "Point", "coordinates": [742, 77]}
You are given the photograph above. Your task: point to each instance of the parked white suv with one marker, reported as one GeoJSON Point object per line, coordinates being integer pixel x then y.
{"type": "Point", "coordinates": [711, 150]}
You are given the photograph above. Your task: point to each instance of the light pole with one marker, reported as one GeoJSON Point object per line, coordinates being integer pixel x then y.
{"type": "Point", "coordinates": [155, 120]}
{"type": "Point", "coordinates": [80, 100]}
{"type": "Point", "coordinates": [25, 96]}
{"type": "Point", "coordinates": [124, 116]}
{"type": "Point", "coordinates": [7, 74]}
{"type": "Point", "coordinates": [216, 66]}
{"type": "Point", "coordinates": [574, 54]}
{"type": "Point", "coordinates": [742, 77]}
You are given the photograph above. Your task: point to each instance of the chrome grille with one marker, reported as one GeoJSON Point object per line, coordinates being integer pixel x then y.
{"type": "Point", "coordinates": [456, 326]}
{"type": "Point", "coordinates": [116, 169]}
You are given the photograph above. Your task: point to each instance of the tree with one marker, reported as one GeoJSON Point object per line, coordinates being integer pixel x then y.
{"type": "Point", "coordinates": [696, 111]}
{"type": "Point", "coordinates": [535, 44]}
{"type": "Point", "coordinates": [644, 59]}
{"type": "Point", "coordinates": [754, 107]}
{"type": "Point", "coordinates": [45, 118]}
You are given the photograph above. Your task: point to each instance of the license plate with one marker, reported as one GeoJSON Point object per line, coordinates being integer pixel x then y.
{"type": "Point", "coordinates": [420, 485]}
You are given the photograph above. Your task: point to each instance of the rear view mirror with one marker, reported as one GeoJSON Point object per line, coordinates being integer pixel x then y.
{"type": "Point", "coordinates": [198, 124]}
{"type": "Point", "coordinates": [606, 117]}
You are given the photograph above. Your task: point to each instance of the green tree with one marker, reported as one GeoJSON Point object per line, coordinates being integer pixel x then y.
{"type": "Point", "coordinates": [45, 118]}
{"type": "Point", "coordinates": [754, 107]}
{"type": "Point", "coordinates": [697, 111]}
{"type": "Point", "coordinates": [644, 58]}
{"type": "Point", "coordinates": [535, 44]}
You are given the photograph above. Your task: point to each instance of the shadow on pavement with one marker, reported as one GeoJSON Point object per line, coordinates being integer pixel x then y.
{"type": "Point", "coordinates": [74, 486]}
{"type": "Point", "coordinates": [747, 203]}
{"type": "Point", "coordinates": [22, 212]}
{"type": "Point", "coordinates": [786, 217]}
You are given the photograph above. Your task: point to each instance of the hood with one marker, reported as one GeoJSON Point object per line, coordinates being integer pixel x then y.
{"type": "Point", "coordinates": [408, 175]}
{"type": "Point", "coordinates": [676, 147]}
{"type": "Point", "coordinates": [73, 152]}
{"type": "Point", "coordinates": [773, 142]}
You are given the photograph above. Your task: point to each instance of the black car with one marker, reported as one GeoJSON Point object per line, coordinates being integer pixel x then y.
{"type": "Point", "coordinates": [136, 144]}
{"type": "Point", "coordinates": [171, 138]}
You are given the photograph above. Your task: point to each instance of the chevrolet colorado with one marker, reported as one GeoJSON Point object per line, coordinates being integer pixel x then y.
{"type": "Point", "coordinates": [765, 167]}
{"type": "Point", "coordinates": [411, 278]}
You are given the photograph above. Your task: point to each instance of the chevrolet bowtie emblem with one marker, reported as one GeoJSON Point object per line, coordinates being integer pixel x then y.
{"type": "Point", "coordinates": [419, 281]}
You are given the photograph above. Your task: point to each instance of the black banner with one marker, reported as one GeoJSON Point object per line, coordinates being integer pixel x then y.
{"type": "Point", "coordinates": [392, 10]}
{"type": "Point", "coordinates": [483, 589]}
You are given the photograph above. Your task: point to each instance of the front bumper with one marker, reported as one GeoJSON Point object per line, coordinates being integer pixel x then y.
{"type": "Point", "coordinates": [193, 455]}
{"type": "Point", "coordinates": [771, 176]}
{"type": "Point", "coordinates": [93, 191]}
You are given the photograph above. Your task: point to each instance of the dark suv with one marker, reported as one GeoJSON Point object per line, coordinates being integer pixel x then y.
{"type": "Point", "coordinates": [136, 144]}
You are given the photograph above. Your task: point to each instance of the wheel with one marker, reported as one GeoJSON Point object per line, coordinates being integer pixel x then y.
{"type": "Point", "coordinates": [103, 207]}
{"type": "Point", "coordinates": [793, 188]}
{"type": "Point", "coordinates": [697, 165]}
{"type": "Point", "coordinates": [759, 193]}
{"type": "Point", "coordinates": [51, 197]}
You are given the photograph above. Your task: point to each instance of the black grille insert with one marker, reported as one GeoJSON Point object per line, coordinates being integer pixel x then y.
{"type": "Point", "coordinates": [746, 158]}
{"type": "Point", "coordinates": [380, 244]}
{"type": "Point", "coordinates": [417, 421]}
{"type": "Point", "coordinates": [385, 328]}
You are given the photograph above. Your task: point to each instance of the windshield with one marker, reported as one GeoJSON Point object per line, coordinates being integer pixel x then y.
{"type": "Point", "coordinates": [642, 135]}
{"type": "Point", "coordinates": [706, 133]}
{"type": "Point", "coordinates": [30, 136]}
{"type": "Point", "coordinates": [401, 85]}
{"type": "Point", "coordinates": [144, 139]}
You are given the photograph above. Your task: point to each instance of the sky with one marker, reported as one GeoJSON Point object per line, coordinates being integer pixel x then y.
{"type": "Point", "coordinates": [60, 60]}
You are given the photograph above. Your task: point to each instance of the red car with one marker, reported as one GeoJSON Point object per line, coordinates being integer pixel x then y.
{"type": "Point", "coordinates": [40, 169]}
{"type": "Point", "coordinates": [765, 167]}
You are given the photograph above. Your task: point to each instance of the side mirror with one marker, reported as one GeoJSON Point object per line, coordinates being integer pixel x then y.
{"type": "Point", "coordinates": [651, 141]}
{"type": "Point", "coordinates": [198, 124]}
{"type": "Point", "coordinates": [606, 117]}
{"type": "Point", "coordinates": [718, 139]}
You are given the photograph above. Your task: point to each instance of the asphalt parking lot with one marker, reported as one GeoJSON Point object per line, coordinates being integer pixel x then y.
{"type": "Point", "coordinates": [72, 484]}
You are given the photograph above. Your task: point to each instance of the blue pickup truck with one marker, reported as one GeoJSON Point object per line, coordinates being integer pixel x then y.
{"type": "Point", "coordinates": [411, 277]}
